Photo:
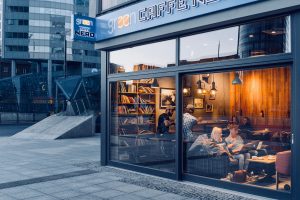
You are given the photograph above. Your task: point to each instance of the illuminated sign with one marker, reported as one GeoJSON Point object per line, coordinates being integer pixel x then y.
{"type": "Point", "coordinates": [84, 28]}
{"type": "Point", "coordinates": [153, 13]}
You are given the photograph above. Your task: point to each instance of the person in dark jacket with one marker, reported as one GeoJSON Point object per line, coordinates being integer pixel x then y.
{"type": "Point", "coordinates": [164, 121]}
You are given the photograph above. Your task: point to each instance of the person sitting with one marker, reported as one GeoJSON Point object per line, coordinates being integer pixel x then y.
{"type": "Point", "coordinates": [235, 144]}
{"type": "Point", "coordinates": [188, 122]}
{"type": "Point", "coordinates": [246, 128]}
{"type": "Point", "coordinates": [164, 121]}
{"type": "Point", "coordinates": [246, 124]}
{"type": "Point", "coordinates": [216, 135]}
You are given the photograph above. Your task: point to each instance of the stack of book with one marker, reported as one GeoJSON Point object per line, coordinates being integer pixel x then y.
{"type": "Point", "coordinates": [144, 101]}
{"type": "Point", "coordinates": [126, 99]}
{"type": "Point", "coordinates": [131, 88]}
{"type": "Point", "coordinates": [146, 110]}
{"type": "Point", "coordinates": [125, 110]}
{"type": "Point", "coordinates": [122, 87]}
{"type": "Point", "coordinates": [147, 90]}
{"type": "Point", "coordinates": [141, 67]}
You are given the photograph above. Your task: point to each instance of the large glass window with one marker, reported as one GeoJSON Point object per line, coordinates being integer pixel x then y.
{"type": "Point", "coordinates": [145, 57]}
{"type": "Point", "coordinates": [271, 36]}
{"type": "Point", "coordinates": [237, 126]}
{"type": "Point", "coordinates": [143, 122]}
{"type": "Point", "coordinates": [106, 4]}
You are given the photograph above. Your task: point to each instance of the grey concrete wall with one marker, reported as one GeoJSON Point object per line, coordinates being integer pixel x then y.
{"type": "Point", "coordinates": [93, 8]}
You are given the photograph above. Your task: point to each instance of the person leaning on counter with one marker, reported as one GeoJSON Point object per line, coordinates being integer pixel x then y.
{"type": "Point", "coordinates": [164, 121]}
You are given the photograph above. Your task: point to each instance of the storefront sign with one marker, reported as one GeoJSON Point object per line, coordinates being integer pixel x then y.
{"type": "Point", "coordinates": [152, 13]}
{"type": "Point", "coordinates": [84, 28]}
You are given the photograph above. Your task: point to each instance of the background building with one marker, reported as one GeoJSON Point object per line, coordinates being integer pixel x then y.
{"type": "Point", "coordinates": [33, 37]}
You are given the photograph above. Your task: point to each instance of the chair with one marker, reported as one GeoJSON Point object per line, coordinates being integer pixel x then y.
{"type": "Point", "coordinates": [282, 165]}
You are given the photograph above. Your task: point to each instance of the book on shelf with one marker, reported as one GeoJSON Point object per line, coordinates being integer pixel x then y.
{"type": "Point", "coordinates": [122, 87]}
{"type": "Point", "coordinates": [126, 99]}
{"type": "Point", "coordinates": [147, 90]}
{"type": "Point", "coordinates": [146, 110]}
{"type": "Point", "coordinates": [146, 81]}
{"type": "Point", "coordinates": [128, 121]}
{"type": "Point", "coordinates": [132, 88]}
{"type": "Point", "coordinates": [144, 101]}
{"type": "Point", "coordinates": [141, 67]}
{"type": "Point", "coordinates": [126, 110]}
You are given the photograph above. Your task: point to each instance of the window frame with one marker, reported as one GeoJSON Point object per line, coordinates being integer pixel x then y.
{"type": "Point", "coordinates": [291, 59]}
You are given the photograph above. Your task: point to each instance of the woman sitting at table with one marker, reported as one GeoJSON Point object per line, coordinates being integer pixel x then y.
{"type": "Point", "coordinates": [235, 144]}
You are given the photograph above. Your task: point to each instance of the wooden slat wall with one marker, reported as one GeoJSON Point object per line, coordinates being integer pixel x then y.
{"type": "Point", "coordinates": [267, 90]}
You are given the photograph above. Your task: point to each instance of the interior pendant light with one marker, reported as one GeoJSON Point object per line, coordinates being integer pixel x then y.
{"type": "Point", "coordinates": [186, 90]}
{"type": "Point", "coordinates": [155, 83]}
{"type": "Point", "coordinates": [199, 86]}
{"type": "Point", "coordinates": [237, 80]}
{"type": "Point", "coordinates": [213, 90]}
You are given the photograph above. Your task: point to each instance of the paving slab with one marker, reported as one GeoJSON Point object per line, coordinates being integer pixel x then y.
{"type": "Point", "coordinates": [70, 169]}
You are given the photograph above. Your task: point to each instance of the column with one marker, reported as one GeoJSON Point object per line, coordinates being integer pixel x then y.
{"type": "Point", "coordinates": [38, 67]}
{"type": "Point", "coordinates": [49, 75]}
{"type": "Point", "coordinates": [13, 68]}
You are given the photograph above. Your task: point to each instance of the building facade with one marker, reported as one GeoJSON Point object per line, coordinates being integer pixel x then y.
{"type": "Point", "coordinates": [202, 90]}
{"type": "Point", "coordinates": [36, 49]}
{"type": "Point", "coordinates": [33, 39]}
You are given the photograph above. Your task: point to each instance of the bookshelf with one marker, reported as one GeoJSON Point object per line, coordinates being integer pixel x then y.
{"type": "Point", "coordinates": [136, 107]}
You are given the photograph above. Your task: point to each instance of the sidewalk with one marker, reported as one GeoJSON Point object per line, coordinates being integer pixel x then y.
{"type": "Point", "coordinates": [69, 169]}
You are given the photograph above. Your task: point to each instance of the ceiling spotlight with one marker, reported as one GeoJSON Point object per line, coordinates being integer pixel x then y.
{"type": "Point", "coordinates": [237, 80]}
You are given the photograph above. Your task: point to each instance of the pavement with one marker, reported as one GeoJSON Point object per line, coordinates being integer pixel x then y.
{"type": "Point", "coordinates": [70, 169]}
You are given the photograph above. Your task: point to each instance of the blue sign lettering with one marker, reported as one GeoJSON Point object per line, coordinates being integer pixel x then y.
{"type": "Point", "coordinates": [84, 28]}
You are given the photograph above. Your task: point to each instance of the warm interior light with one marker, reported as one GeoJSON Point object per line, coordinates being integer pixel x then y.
{"type": "Point", "coordinates": [199, 91]}
{"type": "Point", "coordinates": [185, 90]}
{"type": "Point", "coordinates": [213, 90]}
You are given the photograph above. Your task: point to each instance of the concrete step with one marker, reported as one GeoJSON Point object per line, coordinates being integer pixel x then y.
{"type": "Point", "coordinates": [59, 127]}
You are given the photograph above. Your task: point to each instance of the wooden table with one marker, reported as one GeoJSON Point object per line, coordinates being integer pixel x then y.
{"type": "Point", "coordinates": [263, 160]}
{"type": "Point", "coordinates": [263, 163]}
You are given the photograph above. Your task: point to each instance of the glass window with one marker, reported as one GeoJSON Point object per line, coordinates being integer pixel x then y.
{"type": "Point", "coordinates": [271, 36]}
{"type": "Point", "coordinates": [142, 122]}
{"type": "Point", "coordinates": [145, 57]}
{"type": "Point", "coordinates": [237, 126]}
{"type": "Point", "coordinates": [106, 4]}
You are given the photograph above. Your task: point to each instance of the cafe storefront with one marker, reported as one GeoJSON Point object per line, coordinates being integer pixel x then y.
{"type": "Point", "coordinates": [204, 91]}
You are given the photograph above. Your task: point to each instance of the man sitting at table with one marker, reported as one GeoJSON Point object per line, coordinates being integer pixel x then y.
{"type": "Point", "coordinates": [188, 122]}
{"type": "Point", "coordinates": [235, 144]}
{"type": "Point", "coordinates": [164, 121]}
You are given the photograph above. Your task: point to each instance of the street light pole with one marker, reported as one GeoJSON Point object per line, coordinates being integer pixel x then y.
{"type": "Point", "coordinates": [65, 56]}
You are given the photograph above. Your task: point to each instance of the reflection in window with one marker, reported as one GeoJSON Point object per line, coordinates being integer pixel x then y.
{"type": "Point", "coordinates": [265, 37]}
{"type": "Point", "coordinates": [142, 122]}
{"type": "Point", "coordinates": [106, 4]}
{"type": "Point", "coordinates": [216, 45]}
{"type": "Point", "coordinates": [145, 57]}
{"type": "Point", "coordinates": [237, 126]}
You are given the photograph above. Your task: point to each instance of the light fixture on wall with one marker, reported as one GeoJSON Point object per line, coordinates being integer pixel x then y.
{"type": "Point", "coordinates": [201, 87]}
{"type": "Point", "coordinates": [155, 83]}
{"type": "Point", "coordinates": [186, 89]}
{"type": "Point", "coordinates": [237, 80]}
{"type": "Point", "coordinates": [213, 90]}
